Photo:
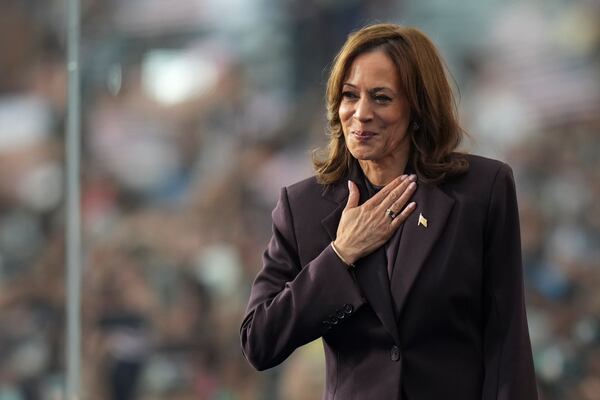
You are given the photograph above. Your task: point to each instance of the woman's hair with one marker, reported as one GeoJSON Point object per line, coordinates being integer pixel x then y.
{"type": "Point", "coordinates": [434, 129]}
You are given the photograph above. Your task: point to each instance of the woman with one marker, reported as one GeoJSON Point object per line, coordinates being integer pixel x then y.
{"type": "Point", "coordinates": [403, 255]}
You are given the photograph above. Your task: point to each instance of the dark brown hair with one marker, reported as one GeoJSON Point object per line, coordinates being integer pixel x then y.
{"type": "Point", "coordinates": [424, 81]}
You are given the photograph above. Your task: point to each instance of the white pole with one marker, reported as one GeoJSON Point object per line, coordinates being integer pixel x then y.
{"type": "Point", "coordinates": [73, 214]}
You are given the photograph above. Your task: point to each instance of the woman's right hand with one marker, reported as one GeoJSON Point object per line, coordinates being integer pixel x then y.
{"type": "Point", "coordinates": [364, 228]}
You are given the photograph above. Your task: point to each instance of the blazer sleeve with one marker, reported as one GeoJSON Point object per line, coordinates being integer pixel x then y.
{"type": "Point", "coordinates": [509, 371]}
{"type": "Point", "coordinates": [292, 304]}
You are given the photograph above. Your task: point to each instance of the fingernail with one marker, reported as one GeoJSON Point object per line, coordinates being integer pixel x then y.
{"type": "Point", "coordinates": [413, 177]}
{"type": "Point", "coordinates": [412, 204]}
{"type": "Point", "coordinates": [412, 185]}
{"type": "Point", "coordinates": [349, 186]}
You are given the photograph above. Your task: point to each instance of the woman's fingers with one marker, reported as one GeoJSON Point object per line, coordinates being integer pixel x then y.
{"type": "Point", "coordinates": [400, 218]}
{"type": "Point", "coordinates": [398, 204]}
{"type": "Point", "coordinates": [397, 198]}
{"type": "Point", "coordinates": [380, 196]}
{"type": "Point", "coordinates": [353, 196]}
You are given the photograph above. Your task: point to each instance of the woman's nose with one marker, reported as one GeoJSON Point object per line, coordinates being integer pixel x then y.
{"type": "Point", "coordinates": [363, 111]}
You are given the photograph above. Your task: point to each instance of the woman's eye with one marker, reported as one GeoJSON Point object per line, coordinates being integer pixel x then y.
{"type": "Point", "coordinates": [349, 95]}
{"type": "Point", "coordinates": [382, 98]}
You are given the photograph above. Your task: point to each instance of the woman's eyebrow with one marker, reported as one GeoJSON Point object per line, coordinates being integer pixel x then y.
{"type": "Point", "coordinates": [380, 88]}
{"type": "Point", "coordinates": [374, 90]}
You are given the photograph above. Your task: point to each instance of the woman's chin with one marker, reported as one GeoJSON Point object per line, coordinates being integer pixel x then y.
{"type": "Point", "coordinates": [363, 155]}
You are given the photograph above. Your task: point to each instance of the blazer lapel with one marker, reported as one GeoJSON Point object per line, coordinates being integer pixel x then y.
{"type": "Point", "coordinates": [337, 193]}
{"type": "Point", "coordinates": [371, 270]}
{"type": "Point", "coordinates": [417, 240]}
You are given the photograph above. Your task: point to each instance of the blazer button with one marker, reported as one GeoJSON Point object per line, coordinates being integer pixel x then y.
{"type": "Point", "coordinates": [340, 314]}
{"type": "Point", "coordinates": [348, 309]}
{"type": "Point", "coordinates": [334, 320]}
{"type": "Point", "coordinates": [395, 353]}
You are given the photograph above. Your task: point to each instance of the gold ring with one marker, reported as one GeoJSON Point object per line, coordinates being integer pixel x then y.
{"type": "Point", "coordinates": [390, 213]}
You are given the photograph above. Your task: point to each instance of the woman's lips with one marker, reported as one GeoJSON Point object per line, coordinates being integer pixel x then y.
{"type": "Point", "coordinates": [363, 136]}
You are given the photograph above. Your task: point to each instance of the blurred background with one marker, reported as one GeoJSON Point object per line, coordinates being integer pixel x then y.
{"type": "Point", "coordinates": [195, 113]}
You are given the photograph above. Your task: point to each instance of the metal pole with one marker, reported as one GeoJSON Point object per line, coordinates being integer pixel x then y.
{"type": "Point", "coordinates": [73, 213]}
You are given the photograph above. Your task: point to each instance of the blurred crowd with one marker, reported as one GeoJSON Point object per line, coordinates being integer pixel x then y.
{"type": "Point", "coordinates": [195, 113]}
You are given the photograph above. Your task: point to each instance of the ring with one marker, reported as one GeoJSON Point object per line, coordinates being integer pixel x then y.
{"type": "Point", "coordinates": [390, 213]}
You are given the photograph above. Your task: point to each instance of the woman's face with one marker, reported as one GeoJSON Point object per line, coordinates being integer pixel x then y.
{"type": "Point", "coordinates": [374, 112]}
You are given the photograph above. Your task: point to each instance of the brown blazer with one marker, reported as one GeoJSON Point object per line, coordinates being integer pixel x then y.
{"type": "Point", "coordinates": [449, 324]}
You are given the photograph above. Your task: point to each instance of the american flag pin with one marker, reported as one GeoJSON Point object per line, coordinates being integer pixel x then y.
{"type": "Point", "coordinates": [422, 220]}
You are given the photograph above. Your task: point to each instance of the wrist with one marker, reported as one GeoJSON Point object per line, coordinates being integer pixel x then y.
{"type": "Point", "coordinates": [343, 257]}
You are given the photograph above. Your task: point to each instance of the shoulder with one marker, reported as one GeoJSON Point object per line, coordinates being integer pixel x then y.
{"type": "Point", "coordinates": [310, 191]}
{"type": "Point", "coordinates": [479, 165]}
{"type": "Point", "coordinates": [481, 179]}
{"type": "Point", "coordinates": [299, 194]}
{"type": "Point", "coordinates": [482, 170]}
{"type": "Point", "coordinates": [308, 187]}
{"type": "Point", "coordinates": [308, 200]}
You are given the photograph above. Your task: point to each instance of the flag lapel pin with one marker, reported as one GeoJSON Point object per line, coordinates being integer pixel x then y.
{"type": "Point", "coordinates": [422, 221]}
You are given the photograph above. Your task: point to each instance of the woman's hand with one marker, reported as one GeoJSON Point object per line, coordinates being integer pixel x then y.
{"type": "Point", "coordinates": [364, 228]}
